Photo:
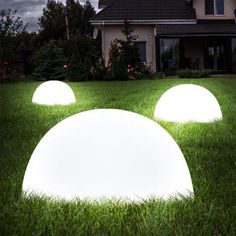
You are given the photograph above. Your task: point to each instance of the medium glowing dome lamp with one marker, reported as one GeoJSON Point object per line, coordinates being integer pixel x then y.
{"type": "Point", "coordinates": [188, 103]}
{"type": "Point", "coordinates": [107, 153]}
{"type": "Point", "coordinates": [53, 93]}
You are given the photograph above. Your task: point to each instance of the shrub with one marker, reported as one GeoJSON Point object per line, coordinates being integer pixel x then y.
{"type": "Point", "coordinates": [100, 71]}
{"type": "Point", "coordinates": [188, 73]}
{"type": "Point", "coordinates": [143, 72]}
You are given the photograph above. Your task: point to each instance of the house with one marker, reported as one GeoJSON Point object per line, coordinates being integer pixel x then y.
{"type": "Point", "coordinates": [174, 34]}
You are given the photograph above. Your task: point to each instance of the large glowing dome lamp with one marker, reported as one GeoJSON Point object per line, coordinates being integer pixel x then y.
{"type": "Point", "coordinates": [107, 153]}
{"type": "Point", "coordinates": [188, 103]}
{"type": "Point", "coordinates": [53, 93]}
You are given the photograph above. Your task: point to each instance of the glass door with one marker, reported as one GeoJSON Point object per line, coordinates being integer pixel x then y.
{"type": "Point", "coordinates": [216, 57]}
{"type": "Point", "coordinates": [169, 54]}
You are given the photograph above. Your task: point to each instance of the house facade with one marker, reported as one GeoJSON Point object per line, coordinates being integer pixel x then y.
{"type": "Point", "coordinates": [173, 34]}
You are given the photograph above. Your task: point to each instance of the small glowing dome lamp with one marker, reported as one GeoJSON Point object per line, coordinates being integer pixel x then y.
{"type": "Point", "coordinates": [107, 153]}
{"type": "Point", "coordinates": [53, 92]}
{"type": "Point", "coordinates": [188, 103]}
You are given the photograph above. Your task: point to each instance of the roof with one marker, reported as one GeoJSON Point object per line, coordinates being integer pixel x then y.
{"type": "Point", "coordinates": [198, 29]}
{"type": "Point", "coordinates": [102, 3]}
{"type": "Point", "coordinates": [146, 10]}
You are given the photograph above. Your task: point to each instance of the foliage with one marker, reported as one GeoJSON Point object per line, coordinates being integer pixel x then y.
{"type": "Point", "coordinates": [143, 72]}
{"type": "Point", "coordinates": [100, 71]}
{"type": "Point", "coordinates": [188, 73]}
{"type": "Point", "coordinates": [11, 29]}
{"type": "Point", "coordinates": [88, 13]}
{"type": "Point", "coordinates": [49, 62]}
{"type": "Point", "coordinates": [127, 46]}
{"type": "Point", "coordinates": [117, 64]}
{"type": "Point", "coordinates": [84, 55]}
{"type": "Point", "coordinates": [80, 49]}
{"type": "Point", "coordinates": [123, 55]}
{"type": "Point", "coordinates": [78, 70]}
{"type": "Point", "coordinates": [53, 21]}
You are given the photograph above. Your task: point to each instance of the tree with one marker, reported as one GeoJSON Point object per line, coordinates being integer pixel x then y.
{"type": "Point", "coordinates": [85, 55]}
{"type": "Point", "coordinates": [123, 54]}
{"type": "Point", "coordinates": [52, 22]}
{"type": "Point", "coordinates": [74, 11]}
{"type": "Point", "coordinates": [77, 70]}
{"type": "Point", "coordinates": [128, 47]}
{"type": "Point", "coordinates": [50, 62]}
{"type": "Point", "coordinates": [11, 27]}
{"type": "Point", "coordinates": [88, 13]}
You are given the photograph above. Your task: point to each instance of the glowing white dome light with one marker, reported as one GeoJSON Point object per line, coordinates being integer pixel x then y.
{"type": "Point", "coordinates": [107, 153]}
{"type": "Point", "coordinates": [188, 102]}
{"type": "Point", "coordinates": [53, 93]}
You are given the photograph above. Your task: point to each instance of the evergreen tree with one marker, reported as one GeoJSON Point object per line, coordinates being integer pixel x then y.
{"type": "Point", "coordinates": [50, 62]}
{"type": "Point", "coordinates": [52, 22]}
{"type": "Point", "coordinates": [88, 13]}
{"type": "Point", "coordinates": [77, 70]}
{"type": "Point", "coordinates": [128, 47]}
{"type": "Point", "coordinates": [123, 54]}
{"type": "Point", "coordinates": [74, 11]}
{"type": "Point", "coordinates": [11, 29]}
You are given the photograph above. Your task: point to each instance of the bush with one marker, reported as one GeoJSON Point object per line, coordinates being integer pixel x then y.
{"type": "Point", "coordinates": [188, 73]}
{"type": "Point", "coordinates": [143, 72]}
{"type": "Point", "coordinates": [100, 71]}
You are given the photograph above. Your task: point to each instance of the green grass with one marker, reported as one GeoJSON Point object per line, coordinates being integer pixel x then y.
{"type": "Point", "coordinates": [210, 151]}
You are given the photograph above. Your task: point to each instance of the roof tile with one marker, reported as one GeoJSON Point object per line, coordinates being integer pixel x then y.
{"type": "Point", "coordinates": [146, 10]}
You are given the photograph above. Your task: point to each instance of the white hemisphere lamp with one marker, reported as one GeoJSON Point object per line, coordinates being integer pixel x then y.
{"type": "Point", "coordinates": [107, 153]}
{"type": "Point", "coordinates": [53, 92]}
{"type": "Point", "coordinates": [188, 103]}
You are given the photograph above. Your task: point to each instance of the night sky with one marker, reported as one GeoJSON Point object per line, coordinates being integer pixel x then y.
{"type": "Point", "coordinates": [31, 10]}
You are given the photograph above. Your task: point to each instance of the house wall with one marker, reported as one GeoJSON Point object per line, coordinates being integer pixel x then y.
{"type": "Point", "coordinates": [230, 6]}
{"type": "Point", "coordinates": [193, 48]}
{"type": "Point", "coordinates": [145, 33]}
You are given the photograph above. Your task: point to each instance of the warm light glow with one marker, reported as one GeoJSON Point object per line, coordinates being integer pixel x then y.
{"type": "Point", "coordinates": [107, 153]}
{"type": "Point", "coordinates": [188, 102]}
{"type": "Point", "coordinates": [53, 93]}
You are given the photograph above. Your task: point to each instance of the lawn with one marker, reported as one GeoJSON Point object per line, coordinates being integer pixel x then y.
{"type": "Point", "coordinates": [209, 149]}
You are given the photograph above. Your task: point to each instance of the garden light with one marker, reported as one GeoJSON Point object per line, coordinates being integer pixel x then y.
{"type": "Point", "coordinates": [53, 93]}
{"type": "Point", "coordinates": [107, 153]}
{"type": "Point", "coordinates": [186, 103]}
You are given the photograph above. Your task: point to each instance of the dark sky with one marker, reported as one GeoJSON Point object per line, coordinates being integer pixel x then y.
{"type": "Point", "coordinates": [31, 10]}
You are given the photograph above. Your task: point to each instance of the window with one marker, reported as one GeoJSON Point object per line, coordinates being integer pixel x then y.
{"type": "Point", "coordinates": [142, 50]}
{"type": "Point", "coordinates": [169, 54]}
{"type": "Point", "coordinates": [219, 7]}
{"type": "Point", "coordinates": [214, 7]}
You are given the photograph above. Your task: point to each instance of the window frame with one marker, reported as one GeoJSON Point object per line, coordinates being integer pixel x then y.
{"type": "Point", "coordinates": [216, 14]}
{"type": "Point", "coordinates": [173, 47]}
{"type": "Point", "coordinates": [214, 9]}
{"type": "Point", "coordinates": [142, 42]}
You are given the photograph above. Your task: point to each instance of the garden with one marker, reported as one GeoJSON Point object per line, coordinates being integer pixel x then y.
{"type": "Point", "coordinates": [28, 59]}
{"type": "Point", "coordinates": [209, 149]}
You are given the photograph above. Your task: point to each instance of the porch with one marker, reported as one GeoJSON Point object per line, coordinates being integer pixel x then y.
{"type": "Point", "coordinates": [191, 47]}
